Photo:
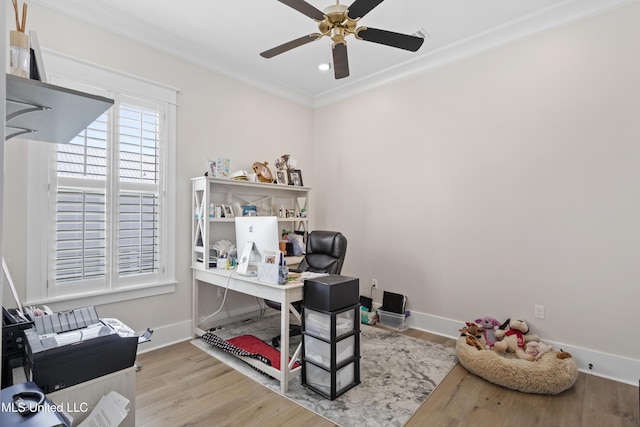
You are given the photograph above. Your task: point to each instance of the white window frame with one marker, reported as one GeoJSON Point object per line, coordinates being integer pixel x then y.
{"type": "Point", "coordinates": [77, 74]}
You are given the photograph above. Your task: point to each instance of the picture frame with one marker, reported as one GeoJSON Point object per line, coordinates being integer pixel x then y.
{"type": "Point", "coordinates": [282, 177]}
{"type": "Point", "coordinates": [227, 211]}
{"type": "Point", "coordinates": [37, 65]}
{"type": "Point", "coordinates": [223, 167]}
{"type": "Point", "coordinates": [210, 170]}
{"type": "Point", "coordinates": [295, 177]}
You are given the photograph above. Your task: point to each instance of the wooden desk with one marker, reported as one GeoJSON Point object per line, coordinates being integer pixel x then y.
{"type": "Point", "coordinates": [284, 294]}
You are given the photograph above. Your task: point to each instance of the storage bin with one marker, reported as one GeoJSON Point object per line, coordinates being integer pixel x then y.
{"type": "Point", "coordinates": [395, 321]}
{"type": "Point", "coordinates": [320, 379]}
{"type": "Point", "coordinates": [331, 293]}
{"type": "Point", "coordinates": [319, 351]}
{"type": "Point", "coordinates": [319, 324]}
{"type": "Point", "coordinates": [268, 273]}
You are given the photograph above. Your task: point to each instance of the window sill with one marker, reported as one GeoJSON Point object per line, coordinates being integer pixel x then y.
{"type": "Point", "coordinates": [69, 302]}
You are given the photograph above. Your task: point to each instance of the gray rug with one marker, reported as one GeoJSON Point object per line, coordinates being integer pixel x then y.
{"type": "Point", "coordinates": [398, 373]}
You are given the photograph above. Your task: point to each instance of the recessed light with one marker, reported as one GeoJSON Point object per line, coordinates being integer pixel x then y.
{"type": "Point", "coordinates": [324, 67]}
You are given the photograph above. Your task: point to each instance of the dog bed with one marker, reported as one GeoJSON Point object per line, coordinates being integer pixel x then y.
{"type": "Point", "coordinates": [548, 375]}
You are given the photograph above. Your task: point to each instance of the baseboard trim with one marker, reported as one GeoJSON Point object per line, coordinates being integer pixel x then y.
{"type": "Point", "coordinates": [610, 366]}
{"type": "Point", "coordinates": [236, 315]}
{"type": "Point", "coordinates": [164, 336]}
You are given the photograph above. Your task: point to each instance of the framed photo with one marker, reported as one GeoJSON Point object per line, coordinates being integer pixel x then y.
{"type": "Point", "coordinates": [37, 66]}
{"type": "Point", "coordinates": [227, 211]}
{"type": "Point", "coordinates": [223, 166]}
{"type": "Point", "coordinates": [210, 171]}
{"type": "Point", "coordinates": [295, 177]}
{"type": "Point", "coordinates": [281, 177]}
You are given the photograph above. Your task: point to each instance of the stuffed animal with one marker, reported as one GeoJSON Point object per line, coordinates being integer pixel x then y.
{"type": "Point", "coordinates": [473, 341]}
{"type": "Point", "coordinates": [473, 333]}
{"type": "Point", "coordinates": [471, 329]}
{"type": "Point", "coordinates": [489, 324]}
{"type": "Point", "coordinates": [513, 339]}
{"type": "Point", "coordinates": [536, 349]}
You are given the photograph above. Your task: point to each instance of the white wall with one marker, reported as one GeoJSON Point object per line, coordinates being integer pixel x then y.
{"type": "Point", "coordinates": [499, 182]}
{"type": "Point", "coordinates": [217, 116]}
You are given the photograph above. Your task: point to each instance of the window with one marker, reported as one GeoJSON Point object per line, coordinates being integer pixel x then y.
{"type": "Point", "coordinates": [110, 195]}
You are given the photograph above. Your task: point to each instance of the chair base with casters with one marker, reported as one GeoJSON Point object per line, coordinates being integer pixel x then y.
{"type": "Point", "coordinates": [324, 254]}
{"type": "Point", "coordinates": [293, 329]}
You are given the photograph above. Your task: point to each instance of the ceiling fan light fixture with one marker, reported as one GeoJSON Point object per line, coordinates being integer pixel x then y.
{"type": "Point", "coordinates": [337, 22]}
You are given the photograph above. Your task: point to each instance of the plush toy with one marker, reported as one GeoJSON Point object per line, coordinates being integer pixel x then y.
{"type": "Point", "coordinates": [473, 341]}
{"type": "Point", "coordinates": [513, 339]}
{"type": "Point", "coordinates": [473, 333]}
{"type": "Point", "coordinates": [536, 349]}
{"type": "Point", "coordinates": [563, 355]}
{"type": "Point", "coordinates": [471, 329]}
{"type": "Point", "coordinates": [489, 324]}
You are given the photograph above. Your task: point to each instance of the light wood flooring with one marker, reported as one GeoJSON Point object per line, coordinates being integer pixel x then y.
{"type": "Point", "coordinates": [181, 385]}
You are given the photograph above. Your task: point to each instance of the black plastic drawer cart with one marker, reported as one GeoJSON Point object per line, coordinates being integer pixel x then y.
{"type": "Point", "coordinates": [331, 335]}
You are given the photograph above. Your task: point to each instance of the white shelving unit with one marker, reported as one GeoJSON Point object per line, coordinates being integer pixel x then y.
{"type": "Point", "coordinates": [269, 199]}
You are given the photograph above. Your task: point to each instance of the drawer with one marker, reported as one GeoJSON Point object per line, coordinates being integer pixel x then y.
{"type": "Point", "coordinates": [321, 379]}
{"type": "Point", "coordinates": [319, 351]}
{"type": "Point", "coordinates": [319, 324]}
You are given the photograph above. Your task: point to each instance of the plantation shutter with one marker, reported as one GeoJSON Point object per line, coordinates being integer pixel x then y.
{"type": "Point", "coordinates": [107, 199]}
{"type": "Point", "coordinates": [81, 206]}
{"type": "Point", "coordinates": [138, 210]}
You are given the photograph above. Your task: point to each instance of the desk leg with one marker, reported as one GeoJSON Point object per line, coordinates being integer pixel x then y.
{"type": "Point", "coordinates": [284, 346]}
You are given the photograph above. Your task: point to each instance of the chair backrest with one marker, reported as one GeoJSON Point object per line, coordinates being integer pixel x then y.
{"type": "Point", "coordinates": [325, 252]}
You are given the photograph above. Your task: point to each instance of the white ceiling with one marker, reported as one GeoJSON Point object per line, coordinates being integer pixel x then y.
{"type": "Point", "coordinates": [228, 36]}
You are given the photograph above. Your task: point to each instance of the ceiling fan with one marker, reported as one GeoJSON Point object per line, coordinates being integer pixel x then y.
{"type": "Point", "coordinates": [339, 21]}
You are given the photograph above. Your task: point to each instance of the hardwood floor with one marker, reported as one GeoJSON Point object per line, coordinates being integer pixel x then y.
{"type": "Point", "coordinates": [181, 385]}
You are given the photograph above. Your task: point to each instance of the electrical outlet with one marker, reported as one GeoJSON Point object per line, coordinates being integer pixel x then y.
{"type": "Point", "coordinates": [374, 283]}
{"type": "Point", "coordinates": [538, 311]}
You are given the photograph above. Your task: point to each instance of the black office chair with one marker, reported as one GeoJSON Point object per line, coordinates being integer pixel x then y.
{"type": "Point", "coordinates": [325, 254]}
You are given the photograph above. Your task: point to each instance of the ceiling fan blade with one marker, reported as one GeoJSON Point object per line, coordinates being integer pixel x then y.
{"type": "Point", "coordinates": [304, 8]}
{"type": "Point", "coordinates": [389, 38]}
{"type": "Point", "coordinates": [359, 8]}
{"type": "Point", "coordinates": [340, 61]}
{"type": "Point", "coordinates": [290, 45]}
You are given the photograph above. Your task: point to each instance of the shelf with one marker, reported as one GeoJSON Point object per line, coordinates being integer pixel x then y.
{"type": "Point", "coordinates": [221, 192]}
{"type": "Point", "coordinates": [43, 112]}
{"type": "Point", "coordinates": [248, 184]}
{"type": "Point", "coordinates": [232, 219]}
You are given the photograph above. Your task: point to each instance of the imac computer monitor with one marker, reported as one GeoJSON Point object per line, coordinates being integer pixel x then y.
{"type": "Point", "coordinates": [254, 236]}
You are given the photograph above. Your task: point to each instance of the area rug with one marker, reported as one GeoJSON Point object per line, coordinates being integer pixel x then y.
{"type": "Point", "coordinates": [398, 373]}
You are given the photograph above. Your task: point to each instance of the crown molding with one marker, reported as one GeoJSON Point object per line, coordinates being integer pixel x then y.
{"type": "Point", "coordinates": [170, 44]}
{"type": "Point", "coordinates": [561, 14]}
